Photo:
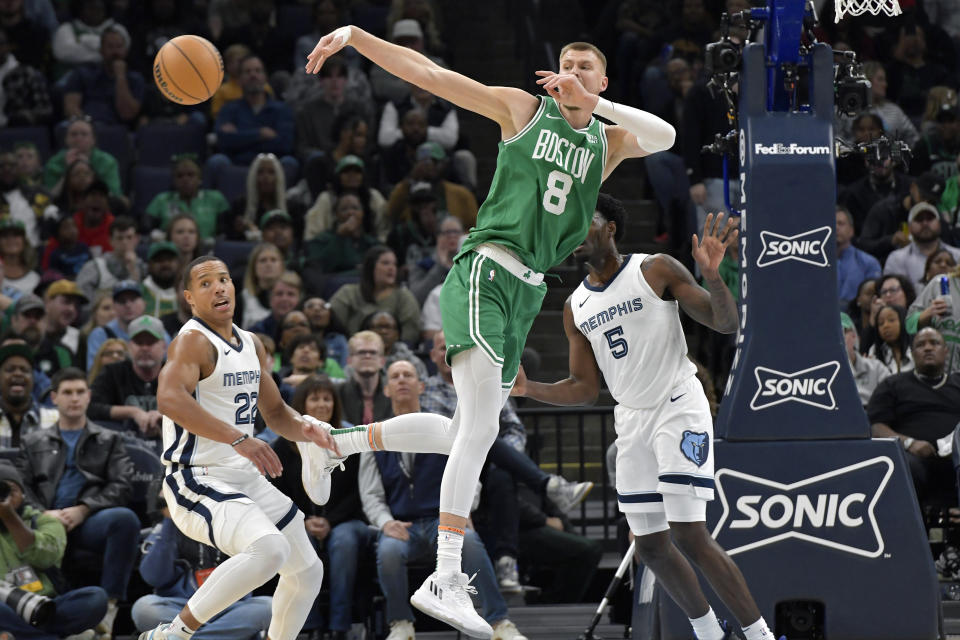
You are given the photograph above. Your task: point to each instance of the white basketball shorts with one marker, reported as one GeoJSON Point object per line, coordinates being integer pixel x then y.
{"type": "Point", "coordinates": [226, 508]}
{"type": "Point", "coordinates": [665, 449]}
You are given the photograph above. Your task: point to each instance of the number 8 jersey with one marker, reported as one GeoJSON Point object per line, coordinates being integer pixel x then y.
{"type": "Point", "coordinates": [544, 191]}
{"type": "Point", "coordinates": [229, 394]}
{"type": "Point", "coordinates": [636, 336]}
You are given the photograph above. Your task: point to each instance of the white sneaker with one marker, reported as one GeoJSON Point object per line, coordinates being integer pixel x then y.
{"type": "Point", "coordinates": [401, 630]}
{"type": "Point", "coordinates": [447, 598]}
{"type": "Point", "coordinates": [162, 632]}
{"type": "Point", "coordinates": [317, 465]}
{"type": "Point", "coordinates": [89, 634]}
{"type": "Point", "coordinates": [565, 493]}
{"type": "Point", "coordinates": [507, 575]}
{"type": "Point", "coordinates": [506, 630]}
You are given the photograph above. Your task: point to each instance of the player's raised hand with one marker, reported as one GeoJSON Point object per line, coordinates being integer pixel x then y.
{"type": "Point", "coordinates": [567, 89]}
{"type": "Point", "coordinates": [318, 433]}
{"type": "Point", "coordinates": [716, 238]}
{"type": "Point", "coordinates": [326, 47]}
{"type": "Point", "coordinates": [263, 457]}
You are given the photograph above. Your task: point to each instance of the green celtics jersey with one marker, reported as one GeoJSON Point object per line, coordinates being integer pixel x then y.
{"type": "Point", "coordinates": [544, 190]}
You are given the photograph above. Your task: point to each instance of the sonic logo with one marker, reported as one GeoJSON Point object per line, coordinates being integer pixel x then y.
{"type": "Point", "coordinates": [834, 509]}
{"type": "Point", "coordinates": [809, 247]}
{"type": "Point", "coordinates": [813, 386]}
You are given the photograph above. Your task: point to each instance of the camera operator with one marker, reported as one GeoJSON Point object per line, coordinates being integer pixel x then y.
{"type": "Point", "coordinates": [31, 548]}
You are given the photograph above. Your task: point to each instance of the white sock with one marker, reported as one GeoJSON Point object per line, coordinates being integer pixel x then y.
{"type": "Point", "coordinates": [707, 627]}
{"type": "Point", "coordinates": [411, 433]}
{"type": "Point", "coordinates": [449, 548]}
{"type": "Point", "coordinates": [758, 631]}
{"type": "Point", "coordinates": [180, 628]}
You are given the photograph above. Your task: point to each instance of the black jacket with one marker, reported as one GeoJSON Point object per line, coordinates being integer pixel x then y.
{"type": "Point", "coordinates": [101, 458]}
{"type": "Point", "coordinates": [117, 384]}
{"type": "Point", "coordinates": [352, 397]}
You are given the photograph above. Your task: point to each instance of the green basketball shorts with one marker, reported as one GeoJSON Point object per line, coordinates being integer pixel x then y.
{"type": "Point", "coordinates": [490, 304]}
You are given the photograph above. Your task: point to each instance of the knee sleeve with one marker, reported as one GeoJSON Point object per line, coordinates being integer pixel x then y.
{"type": "Point", "coordinates": [643, 524]}
{"type": "Point", "coordinates": [239, 575]}
{"type": "Point", "coordinates": [477, 381]}
{"type": "Point", "coordinates": [418, 433]}
{"type": "Point", "coordinates": [684, 508]}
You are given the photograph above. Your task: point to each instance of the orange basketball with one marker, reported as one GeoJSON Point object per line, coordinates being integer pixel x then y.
{"type": "Point", "coordinates": [188, 70]}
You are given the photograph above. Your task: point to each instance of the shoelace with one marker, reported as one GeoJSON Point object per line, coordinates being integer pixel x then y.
{"type": "Point", "coordinates": [461, 591]}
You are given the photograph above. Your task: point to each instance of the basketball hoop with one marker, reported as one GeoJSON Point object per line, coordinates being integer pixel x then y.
{"type": "Point", "coordinates": [859, 7]}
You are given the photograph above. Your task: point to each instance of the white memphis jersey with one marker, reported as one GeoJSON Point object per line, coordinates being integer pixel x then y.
{"type": "Point", "coordinates": [636, 336]}
{"type": "Point", "coordinates": [229, 394]}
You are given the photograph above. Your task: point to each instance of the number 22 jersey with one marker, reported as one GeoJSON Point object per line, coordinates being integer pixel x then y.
{"type": "Point", "coordinates": [229, 394]}
{"type": "Point", "coordinates": [636, 336]}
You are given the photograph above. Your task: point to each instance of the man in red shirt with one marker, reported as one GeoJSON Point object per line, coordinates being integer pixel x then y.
{"type": "Point", "coordinates": [93, 220]}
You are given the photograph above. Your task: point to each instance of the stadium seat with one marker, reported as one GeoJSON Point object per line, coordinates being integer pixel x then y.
{"type": "Point", "coordinates": [158, 142]}
{"type": "Point", "coordinates": [39, 136]}
{"type": "Point", "coordinates": [147, 182]}
{"type": "Point", "coordinates": [233, 253]}
{"type": "Point", "coordinates": [232, 182]}
{"type": "Point", "coordinates": [147, 468]}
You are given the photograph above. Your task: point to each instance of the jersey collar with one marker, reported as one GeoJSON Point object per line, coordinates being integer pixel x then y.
{"type": "Point", "coordinates": [236, 335]}
{"type": "Point", "coordinates": [560, 111]}
{"type": "Point", "coordinates": [591, 287]}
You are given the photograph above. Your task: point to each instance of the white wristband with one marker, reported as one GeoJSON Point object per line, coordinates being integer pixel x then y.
{"type": "Point", "coordinates": [653, 133]}
{"type": "Point", "coordinates": [343, 34]}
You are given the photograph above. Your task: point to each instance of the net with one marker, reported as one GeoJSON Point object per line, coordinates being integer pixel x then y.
{"type": "Point", "coordinates": [859, 7]}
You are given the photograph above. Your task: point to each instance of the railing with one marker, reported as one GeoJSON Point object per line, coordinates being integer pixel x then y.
{"type": "Point", "coordinates": [546, 428]}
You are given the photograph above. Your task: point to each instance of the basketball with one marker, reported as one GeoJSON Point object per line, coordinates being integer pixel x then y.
{"type": "Point", "coordinates": [188, 70]}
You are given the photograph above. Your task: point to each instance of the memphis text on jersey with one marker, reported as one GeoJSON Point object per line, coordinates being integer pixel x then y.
{"type": "Point", "coordinates": [240, 378]}
{"type": "Point", "coordinates": [573, 160]}
{"type": "Point", "coordinates": [598, 320]}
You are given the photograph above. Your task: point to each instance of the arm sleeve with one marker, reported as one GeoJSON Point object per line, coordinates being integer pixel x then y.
{"type": "Point", "coordinates": [102, 394]}
{"type": "Point", "coordinates": [116, 493]}
{"type": "Point", "coordinates": [98, 336]}
{"type": "Point", "coordinates": [373, 497]}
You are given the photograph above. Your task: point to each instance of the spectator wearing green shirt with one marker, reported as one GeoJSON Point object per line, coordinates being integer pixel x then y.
{"type": "Point", "coordinates": [81, 143]}
{"type": "Point", "coordinates": [205, 205]}
{"type": "Point", "coordinates": [341, 249]}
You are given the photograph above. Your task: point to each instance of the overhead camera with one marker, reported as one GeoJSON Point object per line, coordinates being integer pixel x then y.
{"type": "Point", "coordinates": [878, 151]}
{"type": "Point", "coordinates": [851, 87]}
{"type": "Point", "coordinates": [723, 57]}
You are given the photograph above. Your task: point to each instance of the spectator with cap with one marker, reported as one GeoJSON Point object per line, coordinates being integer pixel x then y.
{"type": "Point", "coordinates": [129, 304]}
{"type": "Point", "coordinates": [867, 372]}
{"type": "Point", "coordinates": [276, 227]}
{"type": "Point", "coordinates": [452, 199]}
{"type": "Point", "coordinates": [175, 566]}
{"type": "Point", "coordinates": [94, 219]}
{"type": "Point", "coordinates": [341, 249]}
{"type": "Point", "coordinates": [79, 473]}
{"type": "Point", "coordinates": [108, 92]}
{"type": "Point", "coordinates": [103, 272]}
{"type": "Point", "coordinates": [31, 206]}
{"type": "Point", "coordinates": [29, 319]}
{"type": "Point", "coordinates": [285, 296]}
{"type": "Point", "coordinates": [406, 33]}
{"type": "Point", "coordinates": [33, 540]}
{"type": "Point", "coordinates": [910, 261]}
{"type": "Point", "coordinates": [18, 257]}
{"type": "Point", "coordinates": [253, 124]}
{"type": "Point", "coordinates": [20, 413]}
{"type": "Point", "coordinates": [125, 392]}
{"type": "Point", "coordinates": [937, 150]}
{"type": "Point", "coordinates": [186, 196]}
{"type": "Point", "coordinates": [350, 176]}
{"type": "Point", "coordinates": [81, 144]}
{"type": "Point", "coordinates": [62, 345]}
{"type": "Point", "coordinates": [431, 271]}
{"type": "Point", "coordinates": [160, 285]}
{"type": "Point", "coordinates": [883, 231]}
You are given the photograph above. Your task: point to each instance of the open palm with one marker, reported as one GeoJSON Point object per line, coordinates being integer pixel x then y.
{"type": "Point", "coordinates": [716, 238]}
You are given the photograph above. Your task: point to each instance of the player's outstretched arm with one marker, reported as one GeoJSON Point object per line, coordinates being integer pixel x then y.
{"type": "Point", "coordinates": [581, 387]}
{"type": "Point", "coordinates": [188, 355]}
{"type": "Point", "coordinates": [511, 108]}
{"type": "Point", "coordinates": [280, 416]}
{"type": "Point", "coordinates": [714, 307]}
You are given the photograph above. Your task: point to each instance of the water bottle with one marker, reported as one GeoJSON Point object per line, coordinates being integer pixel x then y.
{"type": "Point", "coordinates": [945, 293]}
